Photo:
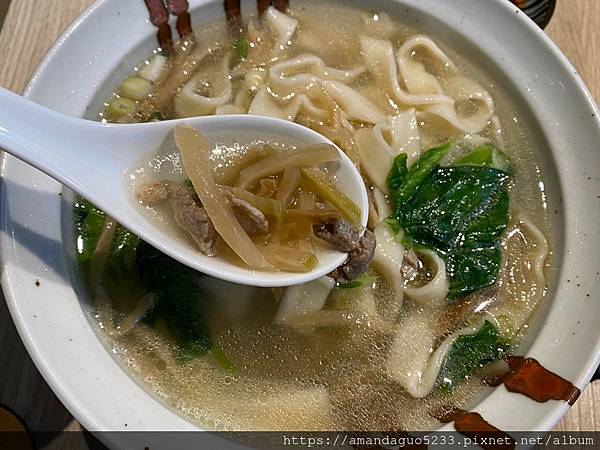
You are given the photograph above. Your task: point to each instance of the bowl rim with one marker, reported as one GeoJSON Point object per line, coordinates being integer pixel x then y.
{"type": "Point", "coordinates": [90, 418]}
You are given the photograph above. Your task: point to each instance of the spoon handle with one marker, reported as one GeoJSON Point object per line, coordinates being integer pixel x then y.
{"type": "Point", "coordinates": [43, 138]}
{"type": "Point", "coordinates": [87, 157]}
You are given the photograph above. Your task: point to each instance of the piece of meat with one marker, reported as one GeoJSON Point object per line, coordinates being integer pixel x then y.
{"type": "Point", "coordinates": [410, 265]}
{"type": "Point", "coordinates": [192, 217]}
{"type": "Point", "coordinates": [153, 193]}
{"type": "Point", "coordinates": [358, 260]}
{"type": "Point", "coordinates": [252, 219]}
{"type": "Point", "coordinates": [346, 238]}
{"type": "Point", "coordinates": [339, 233]}
{"type": "Point", "coordinates": [187, 212]}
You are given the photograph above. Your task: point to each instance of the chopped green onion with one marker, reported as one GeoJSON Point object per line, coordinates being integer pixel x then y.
{"type": "Point", "coordinates": [240, 45]}
{"type": "Point", "coordinates": [136, 88]}
{"type": "Point", "coordinates": [119, 107]}
{"type": "Point", "coordinates": [365, 280]}
{"type": "Point", "coordinates": [222, 360]}
{"type": "Point", "coordinates": [153, 70]}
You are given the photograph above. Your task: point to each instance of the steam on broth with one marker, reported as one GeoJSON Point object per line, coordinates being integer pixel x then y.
{"type": "Point", "coordinates": [456, 213]}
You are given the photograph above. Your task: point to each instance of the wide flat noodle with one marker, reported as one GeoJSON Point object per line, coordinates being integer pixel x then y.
{"type": "Point", "coordinates": [451, 96]}
{"type": "Point", "coordinates": [282, 27]}
{"type": "Point", "coordinates": [304, 298]}
{"type": "Point", "coordinates": [414, 360]}
{"type": "Point", "coordinates": [523, 279]}
{"type": "Point", "coordinates": [451, 82]}
{"type": "Point", "coordinates": [382, 204]}
{"type": "Point", "coordinates": [378, 146]}
{"type": "Point", "coordinates": [380, 60]}
{"type": "Point", "coordinates": [389, 254]}
{"type": "Point", "coordinates": [189, 103]}
{"type": "Point", "coordinates": [434, 293]}
{"type": "Point", "coordinates": [379, 25]}
{"type": "Point", "coordinates": [301, 83]}
{"type": "Point", "coordinates": [300, 74]}
{"type": "Point", "coordinates": [265, 104]}
{"type": "Point", "coordinates": [416, 77]}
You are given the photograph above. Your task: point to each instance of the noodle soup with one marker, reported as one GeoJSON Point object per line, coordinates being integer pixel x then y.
{"type": "Point", "coordinates": [459, 220]}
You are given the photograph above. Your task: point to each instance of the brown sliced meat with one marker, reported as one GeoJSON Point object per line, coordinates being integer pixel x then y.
{"type": "Point", "coordinates": [346, 238]}
{"type": "Point", "coordinates": [339, 233]}
{"type": "Point", "coordinates": [153, 193]}
{"type": "Point", "coordinates": [410, 265]}
{"type": "Point", "coordinates": [358, 260]}
{"type": "Point", "coordinates": [187, 209]}
{"type": "Point", "coordinates": [252, 219]}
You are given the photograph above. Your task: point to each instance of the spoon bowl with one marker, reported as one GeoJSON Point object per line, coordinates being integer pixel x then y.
{"type": "Point", "coordinates": [94, 159]}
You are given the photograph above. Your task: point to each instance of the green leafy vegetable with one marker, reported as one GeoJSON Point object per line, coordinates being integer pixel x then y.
{"type": "Point", "coordinates": [123, 254]}
{"type": "Point", "coordinates": [222, 360]}
{"type": "Point", "coordinates": [91, 221]}
{"type": "Point", "coordinates": [471, 352]}
{"type": "Point", "coordinates": [365, 280]}
{"type": "Point", "coordinates": [459, 211]}
{"type": "Point", "coordinates": [456, 204]}
{"type": "Point", "coordinates": [240, 45]}
{"type": "Point", "coordinates": [409, 182]}
{"type": "Point", "coordinates": [179, 293]}
{"type": "Point", "coordinates": [179, 299]}
{"type": "Point", "coordinates": [188, 184]}
{"type": "Point", "coordinates": [398, 174]}
{"type": "Point", "coordinates": [156, 115]}
{"type": "Point", "coordinates": [472, 269]}
{"type": "Point", "coordinates": [486, 156]}
{"type": "Point", "coordinates": [393, 223]}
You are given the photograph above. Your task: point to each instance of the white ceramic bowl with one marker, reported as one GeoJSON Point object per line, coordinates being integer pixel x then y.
{"type": "Point", "coordinates": [103, 45]}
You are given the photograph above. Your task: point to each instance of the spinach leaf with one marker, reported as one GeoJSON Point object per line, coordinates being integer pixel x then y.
{"type": "Point", "coordinates": [90, 222]}
{"type": "Point", "coordinates": [486, 155]}
{"type": "Point", "coordinates": [398, 174]}
{"type": "Point", "coordinates": [123, 254]}
{"type": "Point", "coordinates": [448, 203]}
{"type": "Point", "coordinates": [418, 173]}
{"type": "Point", "coordinates": [469, 353]}
{"type": "Point", "coordinates": [394, 224]}
{"type": "Point", "coordinates": [461, 213]}
{"type": "Point", "coordinates": [472, 269]}
{"type": "Point", "coordinates": [156, 115]}
{"type": "Point", "coordinates": [179, 293]}
{"type": "Point", "coordinates": [179, 298]}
